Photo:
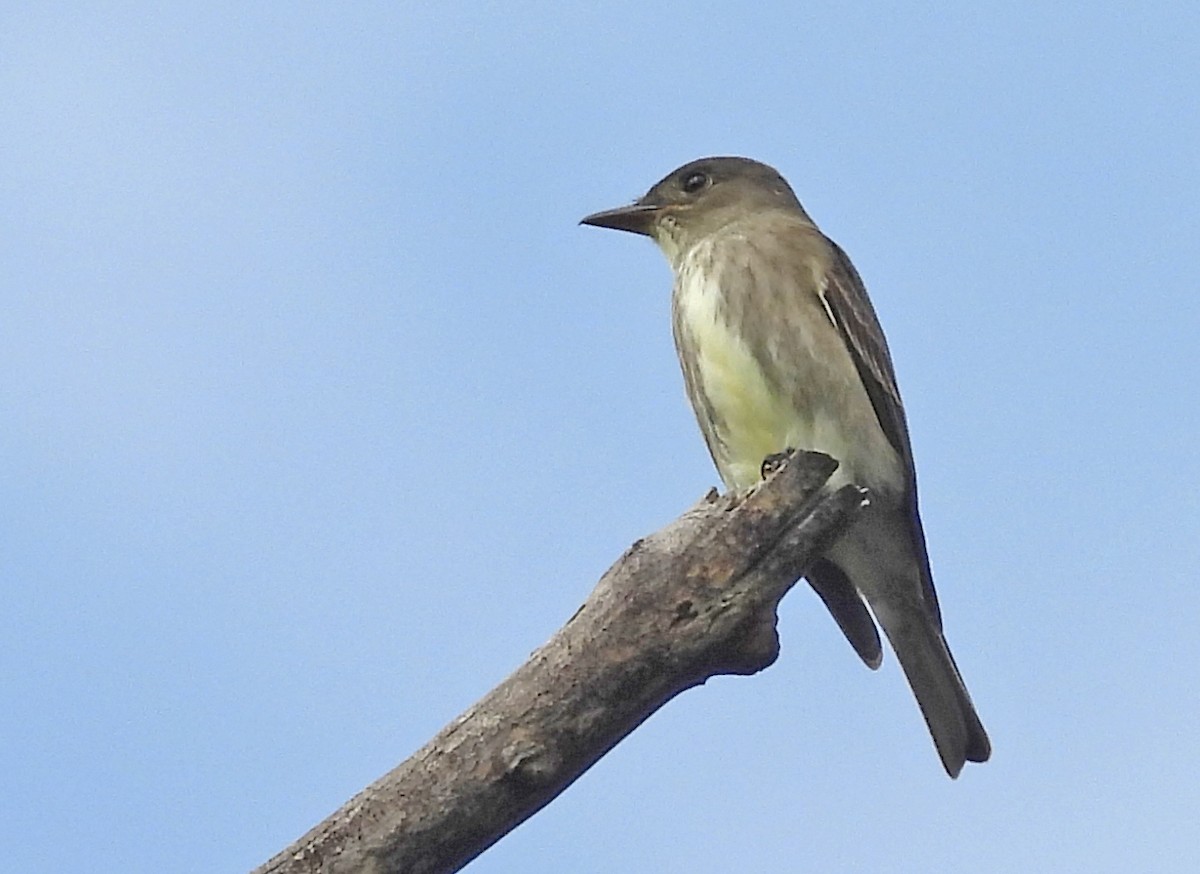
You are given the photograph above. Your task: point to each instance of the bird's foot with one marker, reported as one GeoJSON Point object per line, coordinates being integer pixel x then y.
{"type": "Point", "coordinates": [775, 461]}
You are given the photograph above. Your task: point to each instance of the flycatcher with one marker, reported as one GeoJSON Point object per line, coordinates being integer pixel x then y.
{"type": "Point", "coordinates": [781, 349]}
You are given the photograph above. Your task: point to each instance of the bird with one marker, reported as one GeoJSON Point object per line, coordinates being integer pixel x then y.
{"type": "Point", "coordinates": [781, 350]}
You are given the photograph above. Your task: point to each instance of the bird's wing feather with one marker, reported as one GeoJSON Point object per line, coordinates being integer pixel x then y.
{"type": "Point", "coordinates": [855, 319]}
{"type": "Point", "coordinates": [847, 608]}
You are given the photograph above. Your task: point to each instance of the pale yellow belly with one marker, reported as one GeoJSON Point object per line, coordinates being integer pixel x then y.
{"type": "Point", "coordinates": [755, 420]}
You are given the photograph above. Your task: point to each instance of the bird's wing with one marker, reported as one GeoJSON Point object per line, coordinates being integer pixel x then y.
{"type": "Point", "coordinates": [847, 608]}
{"type": "Point", "coordinates": [855, 320]}
{"type": "Point", "coordinates": [846, 299]}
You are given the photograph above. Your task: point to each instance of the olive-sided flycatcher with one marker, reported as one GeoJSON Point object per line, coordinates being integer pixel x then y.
{"type": "Point", "coordinates": [781, 349]}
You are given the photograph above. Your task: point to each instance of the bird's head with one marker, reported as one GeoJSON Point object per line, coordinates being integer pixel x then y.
{"type": "Point", "coordinates": [698, 199]}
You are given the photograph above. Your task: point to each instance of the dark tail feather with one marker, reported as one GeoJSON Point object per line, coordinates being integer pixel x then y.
{"type": "Point", "coordinates": [851, 614]}
{"type": "Point", "coordinates": [929, 667]}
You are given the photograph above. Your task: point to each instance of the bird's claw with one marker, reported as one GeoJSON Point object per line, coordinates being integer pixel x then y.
{"type": "Point", "coordinates": [775, 461]}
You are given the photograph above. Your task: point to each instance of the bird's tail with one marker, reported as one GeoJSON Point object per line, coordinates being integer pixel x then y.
{"type": "Point", "coordinates": [929, 667]}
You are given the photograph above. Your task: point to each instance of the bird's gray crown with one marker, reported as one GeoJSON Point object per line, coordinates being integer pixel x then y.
{"type": "Point", "coordinates": [718, 181]}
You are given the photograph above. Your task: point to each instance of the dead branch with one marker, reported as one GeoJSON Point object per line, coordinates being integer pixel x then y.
{"type": "Point", "coordinates": [691, 601]}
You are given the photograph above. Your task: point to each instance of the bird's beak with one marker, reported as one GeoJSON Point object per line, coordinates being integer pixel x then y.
{"type": "Point", "coordinates": [637, 218]}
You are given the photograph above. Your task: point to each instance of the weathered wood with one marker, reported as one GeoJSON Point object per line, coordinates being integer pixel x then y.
{"type": "Point", "coordinates": [692, 601]}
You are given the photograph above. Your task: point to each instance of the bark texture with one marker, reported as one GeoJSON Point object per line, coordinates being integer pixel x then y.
{"type": "Point", "coordinates": [691, 601]}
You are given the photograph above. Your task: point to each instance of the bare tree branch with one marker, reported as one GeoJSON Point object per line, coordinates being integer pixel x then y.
{"type": "Point", "coordinates": [694, 600]}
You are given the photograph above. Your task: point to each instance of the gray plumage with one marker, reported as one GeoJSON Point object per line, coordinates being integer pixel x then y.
{"type": "Point", "coordinates": [781, 349]}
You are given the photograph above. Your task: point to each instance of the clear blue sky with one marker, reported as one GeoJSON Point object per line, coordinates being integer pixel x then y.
{"type": "Point", "coordinates": [320, 412]}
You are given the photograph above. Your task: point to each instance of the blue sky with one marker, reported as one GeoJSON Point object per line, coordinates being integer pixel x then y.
{"type": "Point", "coordinates": [320, 412]}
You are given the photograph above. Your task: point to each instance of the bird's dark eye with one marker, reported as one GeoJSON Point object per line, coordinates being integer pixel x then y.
{"type": "Point", "coordinates": [693, 182]}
